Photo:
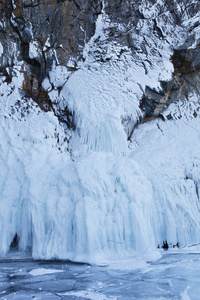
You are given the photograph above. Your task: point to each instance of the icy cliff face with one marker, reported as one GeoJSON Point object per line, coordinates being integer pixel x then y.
{"type": "Point", "coordinates": [99, 140]}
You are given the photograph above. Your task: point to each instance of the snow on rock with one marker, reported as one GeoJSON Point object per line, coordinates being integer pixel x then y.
{"type": "Point", "coordinates": [102, 96]}
{"type": "Point", "coordinates": [58, 75]}
{"type": "Point", "coordinates": [34, 51]}
{"type": "Point", "coordinates": [46, 85]}
{"type": "Point", "coordinates": [1, 49]}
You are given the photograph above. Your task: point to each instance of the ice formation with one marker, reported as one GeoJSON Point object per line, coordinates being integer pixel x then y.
{"type": "Point", "coordinates": [107, 197]}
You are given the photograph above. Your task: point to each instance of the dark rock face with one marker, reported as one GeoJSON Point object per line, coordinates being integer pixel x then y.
{"type": "Point", "coordinates": [187, 67]}
{"type": "Point", "coordinates": [57, 30]}
{"type": "Point", "coordinates": [65, 24]}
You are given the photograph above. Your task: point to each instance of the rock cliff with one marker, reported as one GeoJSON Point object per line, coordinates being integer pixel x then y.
{"type": "Point", "coordinates": [40, 34]}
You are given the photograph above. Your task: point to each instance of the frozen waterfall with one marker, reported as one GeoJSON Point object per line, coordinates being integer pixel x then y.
{"type": "Point", "coordinates": [110, 201]}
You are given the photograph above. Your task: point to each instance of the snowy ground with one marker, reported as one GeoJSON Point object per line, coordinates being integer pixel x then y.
{"type": "Point", "coordinates": [174, 276]}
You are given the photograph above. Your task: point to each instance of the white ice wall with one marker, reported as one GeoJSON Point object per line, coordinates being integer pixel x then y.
{"type": "Point", "coordinates": [100, 205]}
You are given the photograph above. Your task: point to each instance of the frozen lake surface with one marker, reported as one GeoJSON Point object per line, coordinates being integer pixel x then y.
{"type": "Point", "coordinates": [175, 276]}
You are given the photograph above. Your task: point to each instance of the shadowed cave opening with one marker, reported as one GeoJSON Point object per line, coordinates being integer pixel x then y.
{"type": "Point", "coordinates": [14, 246]}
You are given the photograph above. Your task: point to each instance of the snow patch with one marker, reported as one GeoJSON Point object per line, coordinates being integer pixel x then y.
{"type": "Point", "coordinates": [58, 75]}
{"type": "Point", "coordinates": [47, 44]}
{"type": "Point", "coordinates": [46, 85]}
{"type": "Point", "coordinates": [43, 271]}
{"type": "Point", "coordinates": [34, 51]}
{"type": "Point", "coordinates": [1, 49]}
